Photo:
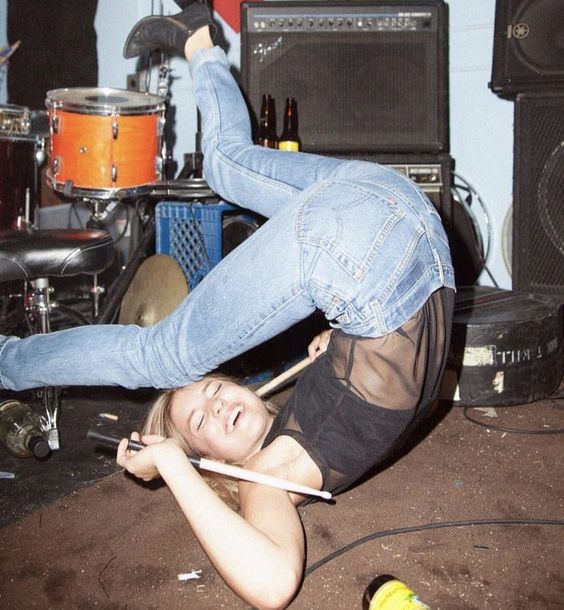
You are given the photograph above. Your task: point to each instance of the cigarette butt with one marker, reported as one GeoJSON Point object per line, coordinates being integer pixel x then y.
{"type": "Point", "coordinates": [109, 416]}
{"type": "Point", "coordinates": [189, 575]}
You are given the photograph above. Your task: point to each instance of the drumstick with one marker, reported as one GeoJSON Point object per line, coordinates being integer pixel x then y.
{"type": "Point", "coordinates": [278, 381]}
{"type": "Point", "coordinates": [220, 468]}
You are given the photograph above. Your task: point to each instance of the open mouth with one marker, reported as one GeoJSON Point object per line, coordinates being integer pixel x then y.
{"type": "Point", "coordinates": [233, 418]}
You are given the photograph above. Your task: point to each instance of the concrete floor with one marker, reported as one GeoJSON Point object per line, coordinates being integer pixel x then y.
{"type": "Point", "coordinates": [78, 533]}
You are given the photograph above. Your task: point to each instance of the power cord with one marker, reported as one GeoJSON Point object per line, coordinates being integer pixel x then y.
{"type": "Point", "coordinates": [421, 528]}
{"type": "Point", "coordinates": [483, 250]}
{"type": "Point", "coordinates": [512, 430]}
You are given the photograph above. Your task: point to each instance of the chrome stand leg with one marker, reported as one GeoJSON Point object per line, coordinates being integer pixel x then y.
{"type": "Point", "coordinates": [41, 308]}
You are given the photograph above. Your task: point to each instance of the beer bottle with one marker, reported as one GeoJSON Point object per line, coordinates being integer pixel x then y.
{"type": "Point", "coordinates": [289, 140]}
{"type": "Point", "coordinates": [386, 592]}
{"type": "Point", "coordinates": [21, 430]}
{"type": "Point", "coordinates": [266, 135]}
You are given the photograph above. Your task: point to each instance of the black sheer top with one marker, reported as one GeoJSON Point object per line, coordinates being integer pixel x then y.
{"type": "Point", "coordinates": [355, 404]}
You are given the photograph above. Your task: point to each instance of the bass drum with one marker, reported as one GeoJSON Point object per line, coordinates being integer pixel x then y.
{"type": "Point", "coordinates": [21, 154]}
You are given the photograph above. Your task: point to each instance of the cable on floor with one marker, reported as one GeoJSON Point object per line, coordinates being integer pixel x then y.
{"type": "Point", "coordinates": [421, 528]}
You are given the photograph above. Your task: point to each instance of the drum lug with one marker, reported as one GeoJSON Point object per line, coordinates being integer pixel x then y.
{"type": "Point", "coordinates": [161, 125]}
{"type": "Point", "coordinates": [159, 166]}
{"type": "Point", "coordinates": [56, 166]}
{"type": "Point", "coordinates": [114, 173]}
{"type": "Point", "coordinates": [55, 124]}
{"type": "Point", "coordinates": [40, 153]}
{"type": "Point", "coordinates": [115, 128]}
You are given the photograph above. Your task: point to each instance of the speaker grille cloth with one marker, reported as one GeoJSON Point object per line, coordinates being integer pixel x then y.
{"type": "Point", "coordinates": [540, 188]}
{"type": "Point", "coordinates": [360, 93]}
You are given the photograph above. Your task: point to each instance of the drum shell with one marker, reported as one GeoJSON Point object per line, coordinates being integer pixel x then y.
{"type": "Point", "coordinates": [96, 148]}
{"type": "Point", "coordinates": [18, 172]}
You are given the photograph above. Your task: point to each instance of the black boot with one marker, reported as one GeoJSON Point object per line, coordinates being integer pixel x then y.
{"type": "Point", "coordinates": [184, 3]}
{"type": "Point", "coordinates": [169, 34]}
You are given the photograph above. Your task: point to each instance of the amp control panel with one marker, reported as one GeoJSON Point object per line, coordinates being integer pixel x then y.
{"type": "Point", "coordinates": [339, 18]}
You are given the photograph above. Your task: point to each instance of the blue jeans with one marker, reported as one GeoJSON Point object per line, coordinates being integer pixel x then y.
{"type": "Point", "coordinates": [353, 239]}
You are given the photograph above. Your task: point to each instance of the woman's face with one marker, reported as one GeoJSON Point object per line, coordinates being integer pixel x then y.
{"type": "Point", "coordinates": [221, 419]}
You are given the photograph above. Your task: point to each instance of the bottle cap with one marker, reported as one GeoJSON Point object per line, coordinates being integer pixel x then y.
{"type": "Point", "coordinates": [39, 446]}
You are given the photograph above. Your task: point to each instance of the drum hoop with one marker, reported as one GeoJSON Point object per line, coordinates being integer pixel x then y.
{"type": "Point", "coordinates": [98, 193]}
{"type": "Point", "coordinates": [14, 109]}
{"type": "Point", "coordinates": [16, 113]}
{"type": "Point", "coordinates": [155, 104]}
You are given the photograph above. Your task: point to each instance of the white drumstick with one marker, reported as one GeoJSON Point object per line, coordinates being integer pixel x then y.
{"type": "Point", "coordinates": [219, 467]}
{"type": "Point", "coordinates": [278, 381]}
{"type": "Point", "coordinates": [258, 477]}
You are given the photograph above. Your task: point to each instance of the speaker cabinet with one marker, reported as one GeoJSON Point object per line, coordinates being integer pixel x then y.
{"type": "Point", "coordinates": [538, 218]}
{"type": "Point", "coordinates": [432, 173]}
{"type": "Point", "coordinates": [368, 76]}
{"type": "Point", "coordinates": [528, 47]}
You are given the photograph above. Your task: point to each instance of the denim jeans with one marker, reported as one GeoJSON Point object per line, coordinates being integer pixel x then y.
{"type": "Point", "coordinates": [354, 239]}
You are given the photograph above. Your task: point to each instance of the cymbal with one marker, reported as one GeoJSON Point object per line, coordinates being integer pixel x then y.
{"type": "Point", "coordinates": [157, 288]}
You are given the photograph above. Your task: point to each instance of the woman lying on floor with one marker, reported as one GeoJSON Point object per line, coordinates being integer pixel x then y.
{"type": "Point", "coordinates": [353, 239]}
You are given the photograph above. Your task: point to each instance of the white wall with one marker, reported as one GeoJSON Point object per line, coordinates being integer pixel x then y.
{"type": "Point", "coordinates": [481, 123]}
{"type": "Point", "coordinates": [113, 22]}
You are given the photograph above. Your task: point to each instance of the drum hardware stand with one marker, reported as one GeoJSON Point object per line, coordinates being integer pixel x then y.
{"type": "Point", "coordinates": [39, 308]}
{"type": "Point", "coordinates": [120, 285]}
{"type": "Point", "coordinates": [24, 222]}
{"type": "Point", "coordinates": [163, 90]}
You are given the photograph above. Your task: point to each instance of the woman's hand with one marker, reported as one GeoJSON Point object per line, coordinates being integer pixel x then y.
{"type": "Point", "coordinates": [319, 344]}
{"type": "Point", "coordinates": [144, 464]}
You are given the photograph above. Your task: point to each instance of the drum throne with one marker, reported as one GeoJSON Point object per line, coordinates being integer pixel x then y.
{"type": "Point", "coordinates": [33, 257]}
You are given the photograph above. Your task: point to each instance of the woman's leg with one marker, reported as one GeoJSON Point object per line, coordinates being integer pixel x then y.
{"type": "Point", "coordinates": [197, 337]}
{"type": "Point", "coordinates": [253, 294]}
{"type": "Point", "coordinates": [258, 178]}
{"type": "Point", "coordinates": [332, 244]}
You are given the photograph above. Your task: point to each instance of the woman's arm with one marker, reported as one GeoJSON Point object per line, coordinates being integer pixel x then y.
{"type": "Point", "coordinates": [259, 554]}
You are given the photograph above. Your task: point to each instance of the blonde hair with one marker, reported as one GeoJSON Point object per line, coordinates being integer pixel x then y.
{"type": "Point", "coordinates": [159, 421]}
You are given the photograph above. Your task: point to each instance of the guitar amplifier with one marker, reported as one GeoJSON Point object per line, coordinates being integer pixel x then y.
{"type": "Point", "coordinates": [368, 76]}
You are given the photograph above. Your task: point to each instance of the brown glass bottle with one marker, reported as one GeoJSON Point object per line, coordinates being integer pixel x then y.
{"type": "Point", "coordinates": [266, 135]}
{"type": "Point", "coordinates": [386, 592]}
{"type": "Point", "coordinates": [290, 140]}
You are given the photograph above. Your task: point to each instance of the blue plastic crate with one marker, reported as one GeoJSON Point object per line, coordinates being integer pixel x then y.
{"type": "Point", "coordinates": [191, 233]}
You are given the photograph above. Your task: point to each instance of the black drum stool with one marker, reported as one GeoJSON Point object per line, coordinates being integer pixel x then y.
{"type": "Point", "coordinates": [35, 256]}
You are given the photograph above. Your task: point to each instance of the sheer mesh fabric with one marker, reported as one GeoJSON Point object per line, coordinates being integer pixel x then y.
{"type": "Point", "coordinates": [358, 402]}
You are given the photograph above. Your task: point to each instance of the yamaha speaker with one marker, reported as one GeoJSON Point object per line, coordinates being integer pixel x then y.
{"type": "Point", "coordinates": [368, 76]}
{"type": "Point", "coordinates": [538, 207]}
{"type": "Point", "coordinates": [528, 47]}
